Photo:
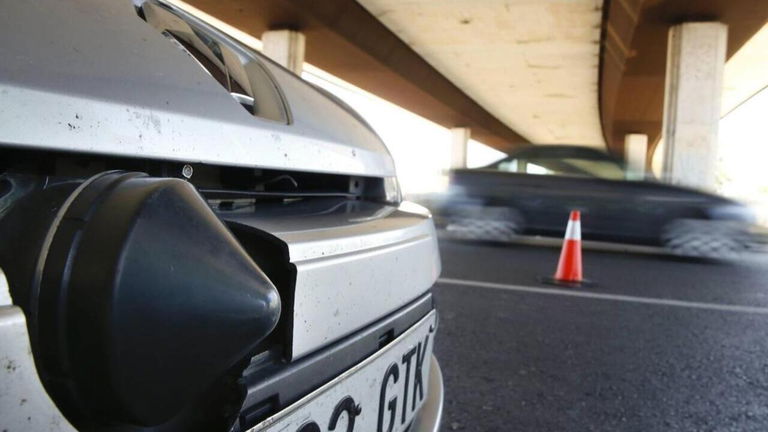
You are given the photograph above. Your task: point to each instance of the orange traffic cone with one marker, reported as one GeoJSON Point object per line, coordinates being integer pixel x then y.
{"type": "Point", "coordinates": [569, 271]}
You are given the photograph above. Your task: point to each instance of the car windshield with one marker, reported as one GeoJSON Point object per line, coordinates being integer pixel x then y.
{"type": "Point", "coordinates": [566, 166]}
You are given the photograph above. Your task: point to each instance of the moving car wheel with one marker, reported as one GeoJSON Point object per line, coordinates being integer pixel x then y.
{"type": "Point", "coordinates": [484, 223]}
{"type": "Point", "coordinates": [704, 239]}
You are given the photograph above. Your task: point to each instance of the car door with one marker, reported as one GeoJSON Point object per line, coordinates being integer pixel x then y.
{"type": "Point", "coordinates": [545, 189]}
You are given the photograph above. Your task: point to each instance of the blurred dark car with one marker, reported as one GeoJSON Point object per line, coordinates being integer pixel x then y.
{"type": "Point", "coordinates": [531, 192]}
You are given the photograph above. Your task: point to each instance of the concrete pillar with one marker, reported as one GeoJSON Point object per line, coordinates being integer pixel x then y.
{"type": "Point", "coordinates": [695, 63]}
{"type": "Point", "coordinates": [459, 142]}
{"type": "Point", "coordinates": [286, 47]}
{"type": "Point", "coordinates": [636, 151]}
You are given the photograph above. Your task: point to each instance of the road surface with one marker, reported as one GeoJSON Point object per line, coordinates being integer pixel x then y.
{"type": "Point", "coordinates": [658, 344]}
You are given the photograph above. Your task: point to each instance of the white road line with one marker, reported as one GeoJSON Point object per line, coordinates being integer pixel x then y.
{"type": "Point", "coordinates": [589, 245]}
{"type": "Point", "coordinates": [612, 297]}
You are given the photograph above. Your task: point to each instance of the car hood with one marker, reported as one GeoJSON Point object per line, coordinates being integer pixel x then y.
{"type": "Point", "coordinates": [91, 76]}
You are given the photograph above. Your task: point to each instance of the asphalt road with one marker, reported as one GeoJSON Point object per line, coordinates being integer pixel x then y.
{"type": "Point", "coordinates": [658, 344]}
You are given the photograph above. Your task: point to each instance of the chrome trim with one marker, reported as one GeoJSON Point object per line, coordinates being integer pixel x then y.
{"type": "Point", "coordinates": [431, 413]}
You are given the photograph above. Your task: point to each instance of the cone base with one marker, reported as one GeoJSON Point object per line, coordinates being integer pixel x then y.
{"type": "Point", "coordinates": [549, 280]}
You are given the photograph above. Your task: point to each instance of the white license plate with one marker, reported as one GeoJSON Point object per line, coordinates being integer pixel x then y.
{"type": "Point", "coordinates": [382, 393]}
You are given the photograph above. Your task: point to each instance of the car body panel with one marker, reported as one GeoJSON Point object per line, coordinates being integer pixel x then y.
{"type": "Point", "coordinates": [20, 386]}
{"type": "Point", "coordinates": [359, 244]}
{"type": "Point", "coordinates": [78, 87]}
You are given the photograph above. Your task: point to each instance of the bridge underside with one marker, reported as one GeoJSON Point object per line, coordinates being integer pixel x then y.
{"type": "Point", "coordinates": [513, 72]}
{"type": "Point", "coordinates": [634, 57]}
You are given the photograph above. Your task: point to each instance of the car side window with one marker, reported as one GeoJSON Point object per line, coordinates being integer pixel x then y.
{"type": "Point", "coordinates": [237, 69]}
{"type": "Point", "coordinates": [567, 166]}
{"type": "Point", "coordinates": [507, 166]}
{"type": "Point", "coordinates": [522, 166]}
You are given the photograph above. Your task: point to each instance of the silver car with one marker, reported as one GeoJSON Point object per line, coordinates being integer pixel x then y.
{"type": "Point", "coordinates": [192, 238]}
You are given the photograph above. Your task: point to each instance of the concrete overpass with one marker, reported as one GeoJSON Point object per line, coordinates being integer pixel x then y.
{"type": "Point", "coordinates": [517, 71]}
{"type": "Point", "coordinates": [634, 57]}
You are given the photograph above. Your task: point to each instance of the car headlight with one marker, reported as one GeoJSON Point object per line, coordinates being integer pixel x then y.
{"type": "Point", "coordinates": [392, 192]}
{"type": "Point", "coordinates": [732, 212]}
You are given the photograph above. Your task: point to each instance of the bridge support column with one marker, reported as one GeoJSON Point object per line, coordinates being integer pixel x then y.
{"type": "Point", "coordinates": [636, 151]}
{"type": "Point", "coordinates": [695, 63]}
{"type": "Point", "coordinates": [286, 47]}
{"type": "Point", "coordinates": [459, 142]}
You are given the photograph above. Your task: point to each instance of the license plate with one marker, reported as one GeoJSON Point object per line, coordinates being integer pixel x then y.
{"type": "Point", "coordinates": [382, 393]}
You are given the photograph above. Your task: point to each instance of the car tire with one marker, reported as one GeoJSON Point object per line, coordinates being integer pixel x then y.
{"type": "Point", "coordinates": [483, 223]}
{"type": "Point", "coordinates": [699, 238]}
